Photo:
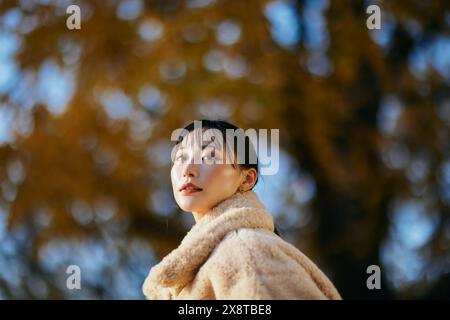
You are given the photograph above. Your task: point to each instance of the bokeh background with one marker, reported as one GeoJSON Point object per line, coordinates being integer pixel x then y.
{"type": "Point", "coordinates": [86, 117]}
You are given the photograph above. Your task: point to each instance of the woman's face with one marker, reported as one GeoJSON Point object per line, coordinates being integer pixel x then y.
{"type": "Point", "coordinates": [212, 182]}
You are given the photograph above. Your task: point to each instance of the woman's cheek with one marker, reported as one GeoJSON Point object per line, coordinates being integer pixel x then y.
{"type": "Point", "coordinates": [173, 176]}
{"type": "Point", "coordinates": [221, 178]}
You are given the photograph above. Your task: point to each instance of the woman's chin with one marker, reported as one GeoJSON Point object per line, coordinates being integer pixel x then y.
{"type": "Point", "coordinates": [190, 206]}
{"type": "Point", "coordinates": [191, 203]}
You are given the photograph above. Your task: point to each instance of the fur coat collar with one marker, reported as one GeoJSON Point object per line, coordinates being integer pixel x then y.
{"type": "Point", "coordinates": [178, 268]}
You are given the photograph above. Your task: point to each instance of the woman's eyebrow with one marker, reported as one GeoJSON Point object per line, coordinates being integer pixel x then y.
{"type": "Point", "coordinates": [203, 146]}
{"type": "Point", "coordinates": [212, 144]}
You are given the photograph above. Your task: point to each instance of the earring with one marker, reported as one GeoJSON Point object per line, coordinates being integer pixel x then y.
{"type": "Point", "coordinates": [241, 189]}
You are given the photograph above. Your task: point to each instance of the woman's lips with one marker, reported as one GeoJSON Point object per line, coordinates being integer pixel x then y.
{"type": "Point", "coordinates": [188, 192]}
{"type": "Point", "coordinates": [189, 189]}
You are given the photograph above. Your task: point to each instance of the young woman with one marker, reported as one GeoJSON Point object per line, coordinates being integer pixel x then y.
{"type": "Point", "coordinates": [233, 251]}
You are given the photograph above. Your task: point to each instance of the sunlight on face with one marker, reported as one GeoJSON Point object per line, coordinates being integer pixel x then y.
{"type": "Point", "coordinates": [212, 182]}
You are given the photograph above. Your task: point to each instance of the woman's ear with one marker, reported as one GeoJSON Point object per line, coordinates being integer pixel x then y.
{"type": "Point", "coordinates": [249, 179]}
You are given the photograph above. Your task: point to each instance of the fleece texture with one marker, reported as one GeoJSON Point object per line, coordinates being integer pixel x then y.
{"type": "Point", "coordinates": [233, 253]}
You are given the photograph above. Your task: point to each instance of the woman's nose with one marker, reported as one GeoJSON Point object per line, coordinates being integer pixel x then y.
{"type": "Point", "coordinates": [190, 170]}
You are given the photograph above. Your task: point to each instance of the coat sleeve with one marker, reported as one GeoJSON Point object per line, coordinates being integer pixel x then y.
{"type": "Point", "coordinates": [247, 268]}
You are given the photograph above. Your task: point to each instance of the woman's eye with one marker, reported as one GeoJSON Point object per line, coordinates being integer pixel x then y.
{"type": "Point", "coordinates": [180, 158]}
{"type": "Point", "coordinates": [209, 157]}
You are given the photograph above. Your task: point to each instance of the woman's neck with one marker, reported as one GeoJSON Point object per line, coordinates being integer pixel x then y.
{"type": "Point", "coordinates": [198, 216]}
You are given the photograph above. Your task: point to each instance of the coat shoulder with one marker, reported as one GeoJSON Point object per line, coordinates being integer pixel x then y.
{"type": "Point", "coordinates": [245, 240]}
{"type": "Point", "coordinates": [240, 250]}
{"type": "Point", "coordinates": [252, 240]}
{"type": "Point", "coordinates": [275, 263]}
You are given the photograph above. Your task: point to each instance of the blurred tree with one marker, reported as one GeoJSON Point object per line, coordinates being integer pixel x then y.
{"type": "Point", "coordinates": [365, 112]}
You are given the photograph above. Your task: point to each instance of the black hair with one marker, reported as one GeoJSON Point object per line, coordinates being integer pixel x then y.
{"type": "Point", "coordinates": [250, 153]}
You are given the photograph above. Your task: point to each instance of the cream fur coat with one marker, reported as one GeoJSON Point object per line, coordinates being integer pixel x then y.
{"type": "Point", "coordinates": [233, 253]}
